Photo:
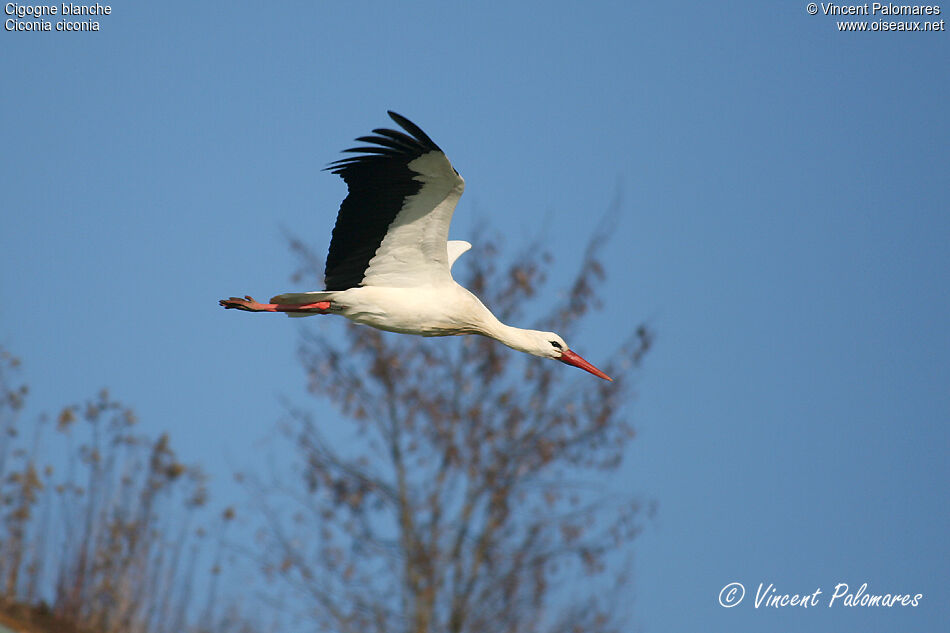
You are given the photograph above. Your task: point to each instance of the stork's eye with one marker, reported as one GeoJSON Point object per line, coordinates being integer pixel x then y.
{"type": "Point", "coordinates": [556, 344]}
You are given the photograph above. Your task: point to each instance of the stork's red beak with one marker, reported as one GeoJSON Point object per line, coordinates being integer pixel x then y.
{"type": "Point", "coordinates": [570, 358]}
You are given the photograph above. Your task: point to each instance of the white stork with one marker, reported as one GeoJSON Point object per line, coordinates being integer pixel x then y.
{"type": "Point", "coordinates": [390, 259]}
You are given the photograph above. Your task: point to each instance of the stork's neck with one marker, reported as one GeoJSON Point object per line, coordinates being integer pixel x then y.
{"type": "Point", "coordinates": [514, 337]}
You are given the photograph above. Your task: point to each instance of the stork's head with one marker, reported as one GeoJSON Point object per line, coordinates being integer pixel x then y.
{"type": "Point", "coordinates": [550, 345]}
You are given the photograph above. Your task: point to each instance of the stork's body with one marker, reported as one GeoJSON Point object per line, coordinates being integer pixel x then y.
{"type": "Point", "coordinates": [390, 259]}
{"type": "Point", "coordinates": [442, 310]}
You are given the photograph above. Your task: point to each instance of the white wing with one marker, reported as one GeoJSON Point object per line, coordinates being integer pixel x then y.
{"type": "Point", "coordinates": [455, 250]}
{"type": "Point", "coordinates": [393, 225]}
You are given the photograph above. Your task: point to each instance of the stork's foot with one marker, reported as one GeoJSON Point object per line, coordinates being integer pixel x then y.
{"type": "Point", "coordinates": [247, 303]}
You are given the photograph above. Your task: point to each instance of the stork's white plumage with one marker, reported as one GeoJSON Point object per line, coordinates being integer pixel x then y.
{"type": "Point", "coordinates": [390, 258]}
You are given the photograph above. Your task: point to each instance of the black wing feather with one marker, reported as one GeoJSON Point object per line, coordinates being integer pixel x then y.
{"type": "Point", "coordinates": [379, 180]}
{"type": "Point", "coordinates": [413, 129]}
{"type": "Point", "coordinates": [387, 143]}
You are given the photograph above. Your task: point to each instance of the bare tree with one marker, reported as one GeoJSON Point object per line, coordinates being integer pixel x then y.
{"type": "Point", "coordinates": [97, 522]}
{"type": "Point", "coordinates": [472, 495]}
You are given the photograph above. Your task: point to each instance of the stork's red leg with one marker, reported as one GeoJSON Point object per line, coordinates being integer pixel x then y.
{"type": "Point", "coordinates": [249, 305]}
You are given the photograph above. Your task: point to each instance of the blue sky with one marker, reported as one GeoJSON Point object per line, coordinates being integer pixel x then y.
{"type": "Point", "coordinates": [784, 228]}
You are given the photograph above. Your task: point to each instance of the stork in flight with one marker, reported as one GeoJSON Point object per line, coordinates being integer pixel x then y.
{"type": "Point", "coordinates": [390, 258]}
